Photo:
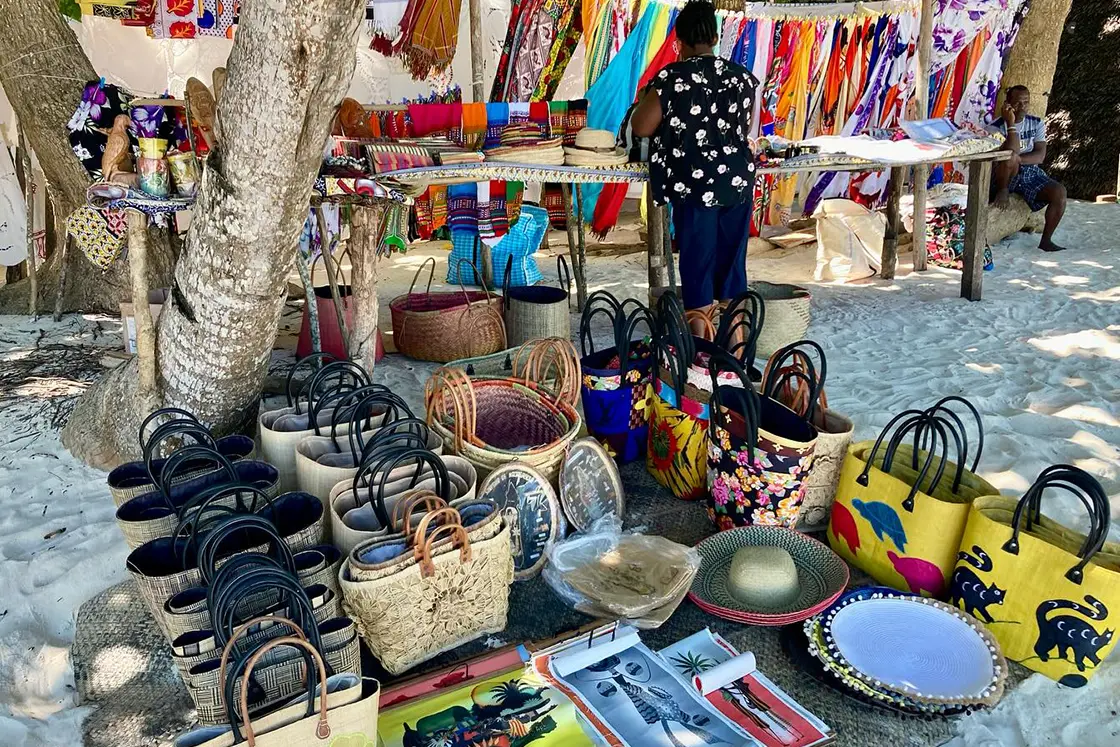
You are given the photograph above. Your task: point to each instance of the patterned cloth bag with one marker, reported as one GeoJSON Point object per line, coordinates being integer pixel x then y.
{"type": "Point", "coordinates": [523, 239]}
{"type": "Point", "coordinates": [99, 234]}
{"type": "Point", "coordinates": [616, 381]}
{"type": "Point", "coordinates": [760, 454]}
{"type": "Point", "coordinates": [1049, 594]}
{"type": "Point", "coordinates": [896, 516]}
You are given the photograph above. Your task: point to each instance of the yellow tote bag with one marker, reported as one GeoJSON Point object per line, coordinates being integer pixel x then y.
{"type": "Point", "coordinates": [899, 523]}
{"type": "Point", "coordinates": [1049, 594]}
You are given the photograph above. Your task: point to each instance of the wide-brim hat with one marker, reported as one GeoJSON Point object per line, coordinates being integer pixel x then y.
{"type": "Point", "coordinates": [821, 576]}
{"type": "Point", "coordinates": [580, 157]}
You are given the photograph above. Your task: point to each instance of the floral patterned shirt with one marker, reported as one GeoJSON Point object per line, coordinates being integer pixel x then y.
{"type": "Point", "coordinates": [700, 153]}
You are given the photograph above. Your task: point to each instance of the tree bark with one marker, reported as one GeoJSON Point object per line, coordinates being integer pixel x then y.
{"type": "Point", "coordinates": [367, 231]}
{"type": "Point", "coordinates": [42, 72]}
{"type": "Point", "coordinates": [290, 65]}
{"type": "Point", "coordinates": [1034, 57]}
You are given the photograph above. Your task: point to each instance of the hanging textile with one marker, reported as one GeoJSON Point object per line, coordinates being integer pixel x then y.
{"type": "Point", "coordinates": [429, 34]}
{"type": "Point", "coordinates": [509, 46]}
{"type": "Point", "coordinates": [383, 19]}
{"type": "Point", "coordinates": [567, 40]}
{"type": "Point", "coordinates": [498, 214]}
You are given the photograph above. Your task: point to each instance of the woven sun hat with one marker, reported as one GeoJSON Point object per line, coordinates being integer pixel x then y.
{"type": "Point", "coordinates": [594, 148]}
{"type": "Point", "coordinates": [765, 575]}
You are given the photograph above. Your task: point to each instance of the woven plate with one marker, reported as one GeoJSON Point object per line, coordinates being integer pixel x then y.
{"type": "Point", "coordinates": [528, 503]}
{"type": "Point", "coordinates": [590, 487]}
{"type": "Point", "coordinates": [941, 655]}
{"type": "Point", "coordinates": [821, 574]}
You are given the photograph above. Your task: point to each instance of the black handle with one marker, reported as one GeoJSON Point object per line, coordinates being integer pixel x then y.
{"type": "Point", "coordinates": [864, 479]}
{"type": "Point", "coordinates": [507, 277]}
{"type": "Point", "coordinates": [256, 577]}
{"type": "Point", "coordinates": [176, 460]}
{"type": "Point", "coordinates": [182, 415]}
{"type": "Point", "coordinates": [347, 373]}
{"type": "Point", "coordinates": [623, 343]}
{"type": "Point", "coordinates": [422, 456]}
{"type": "Point", "coordinates": [1079, 483]}
{"type": "Point", "coordinates": [334, 395]}
{"type": "Point", "coordinates": [308, 359]}
{"type": "Point", "coordinates": [227, 528]}
{"type": "Point", "coordinates": [676, 348]}
{"type": "Point", "coordinates": [182, 428]}
{"type": "Point", "coordinates": [346, 406]}
{"type": "Point", "coordinates": [599, 302]}
{"type": "Point", "coordinates": [392, 407]}
{"type": "Point", "coordinates": [745, 310]}
{"type": "Point", "coordinates": [747, 399]}
{"type": "Point", "coordinates": [563, 276]}
{"type": "Point", "coordinates": [942, 407]}
{"type": "Point", "coordinates": [409, 431]}
{"type": "Point", "coordinates": [912, 422]}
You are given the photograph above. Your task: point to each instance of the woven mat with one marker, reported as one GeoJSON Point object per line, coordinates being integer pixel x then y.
{"type": "Point", "coordinates": [123, 666]}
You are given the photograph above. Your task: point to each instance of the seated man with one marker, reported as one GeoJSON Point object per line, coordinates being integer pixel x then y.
{"type": "Point", "coordinates": [1022, 173]}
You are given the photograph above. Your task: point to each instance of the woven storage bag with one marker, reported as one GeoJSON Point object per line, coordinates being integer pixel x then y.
{"type": "Point", "coordinates": [787, 379]}
{"type": "Point", "coordinates": [787, 316]}
{"type": "Point", "coordinates": [535, 312]}
{"type": "Point", "coordinates": [137, 478]}
{"type": "Point", "coordinates": [444, 326]}
{"type": "Point", "coordinates": [490, 422]}
{"type": "Point", "coordinates": [437, 604]}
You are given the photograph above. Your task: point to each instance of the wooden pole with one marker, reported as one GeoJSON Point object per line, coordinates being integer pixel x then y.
{"type": "Point", "coordinates": [326, 248]}
{"type": "Point", "coordinates": [894, 224]}
{"type": "Point", "coordinates": [63, 256]}
{"type": "Point", "coordinates": [975, 229]}
{"type": "Point", "coordinates": [141, 310]}
{"type": "Point", "coordinates": [573, 242]}
{"type": "Point", "coordinates": [667, 245]}
{"type": "Point", "coordinates": [29, 192]}
{"type": "Point", "coordinates": [478, 50]}
{"type": "Point", "coordinates": [921, 97]}
{"type": "Point", "coordinates": [658, 274]}
{"type": "Point", "coordinates": [581, 287]}
{"type": "Point", "coordinates": [367, 232]}
{"type": "Point", "coordinates": [304, 266]}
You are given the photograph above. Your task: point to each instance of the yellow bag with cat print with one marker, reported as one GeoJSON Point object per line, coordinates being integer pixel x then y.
{"type": "Point", "coordinates": [899, 518]}
{"type": "Point", "coordinates": [1049, 594]}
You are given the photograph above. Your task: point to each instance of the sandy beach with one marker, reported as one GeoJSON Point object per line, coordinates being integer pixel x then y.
{"type": "Point", "coordinates": [1039, 357]}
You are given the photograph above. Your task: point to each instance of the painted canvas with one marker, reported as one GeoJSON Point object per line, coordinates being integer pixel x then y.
{"type": "Point", "coordinates": [530, 507]}
{"type": "Point", "coordinates": [639, 701]}
{"type": "Point", "coordinates": [590, 487]}
{"type": "Point", "coordinates": [513, 709]}
{"type": "Point", "coordinates": [769, 715]}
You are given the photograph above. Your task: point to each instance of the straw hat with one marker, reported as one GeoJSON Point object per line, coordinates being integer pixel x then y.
{"type": "Point", "coordinates": [594, 148]}
{"type": "Point", "coordinates": [546, 153]}
{"type": "Point", "coordinates": [766, 575]}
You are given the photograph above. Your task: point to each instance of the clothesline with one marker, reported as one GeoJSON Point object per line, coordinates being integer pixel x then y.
{"type": "Point", "coordinates": [831, 11]}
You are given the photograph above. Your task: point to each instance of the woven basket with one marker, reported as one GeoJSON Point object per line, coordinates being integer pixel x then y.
{"type": "Point", "coordinates": [787, 316]}
{"type": "Point", "coordinates": [437, 604]}
{"type": "Point", "coordinates": [491, 422]}
{"type": "Point", "coordinates": [535, 312]}
{"type": "Point", "coordinates": [134, 478]}
{"type": "Point", "coordinates": [444, 326]}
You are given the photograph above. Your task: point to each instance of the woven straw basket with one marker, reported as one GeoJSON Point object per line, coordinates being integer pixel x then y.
{"type": "Point", "coordinates": [436, 604]}
{"type": "Point", "coordinates": [535, 312]}
{"type": "Point", "coordinates": [787, 316]}
{"type": "Point", "coordinates": [491, 422]}
{"type": "Point", "coordinates": [444, 326]}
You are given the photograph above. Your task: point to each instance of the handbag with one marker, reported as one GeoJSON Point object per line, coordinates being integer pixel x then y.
{"type": "Point", "coordinates": [615, 388]}
{"type": "Point", "coordinates": [537, 312]}
{"type": "Point", "coordinates": [760, 454]}
{"type": "Point", "coordinates": [330, 334]}
{"type": "Point", "coordinates": [786, 379]}
{"type": "Point", "coordinates": [338, 710]}
{"type": "Point", "coordinates": [453, 593]}
{"type": "Point", "coordinates": [282, 429]}
{"type": "Point", "coordinates": [1049, 594]}
{"type": "Point", "coordinates": [901, 523]}
{"type": "Point", "coordinates": [678, 426]}
{"type": "Point", "coordinates": [321, 461]}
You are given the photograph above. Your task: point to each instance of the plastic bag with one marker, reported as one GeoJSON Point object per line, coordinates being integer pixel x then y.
{"type": "Point", "coordinates": [630, 576]}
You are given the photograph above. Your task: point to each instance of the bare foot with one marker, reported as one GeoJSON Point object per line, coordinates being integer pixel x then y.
{"type": "Point", "coordinates": [1003, 199]}
{"type": "Point", "coordinates": [1047, 245]}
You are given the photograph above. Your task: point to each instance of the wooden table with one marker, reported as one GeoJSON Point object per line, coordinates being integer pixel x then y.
{"type": "Point", "coordinates": [976, 213]}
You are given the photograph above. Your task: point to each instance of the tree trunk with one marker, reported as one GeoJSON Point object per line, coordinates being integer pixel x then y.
{"type": "Point", "coordinates": [291, 64]}
{"type": "Point", "coordinates": [1034, 57]}
{"type": "Point", "coordinates": [367, 231]}
{"type": "Point", "coordinates": [42, 71]}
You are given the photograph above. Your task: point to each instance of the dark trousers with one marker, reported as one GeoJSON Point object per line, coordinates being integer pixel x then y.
{"type": "Point", "coordinates": [713, 251]}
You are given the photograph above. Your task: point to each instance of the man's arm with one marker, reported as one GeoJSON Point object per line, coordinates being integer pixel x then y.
{"type": "Point", "coordinates": [647, 117]}
{"type": "Point", "coordinates": [1036, 156]}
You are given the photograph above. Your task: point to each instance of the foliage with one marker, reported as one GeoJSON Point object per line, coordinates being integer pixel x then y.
{"type": "Point", "coordinates": [512, 694]}
{"type": "Point", "coordinates": [1084, 116]}
{"type": "Point", "coordinates": [70, 9]}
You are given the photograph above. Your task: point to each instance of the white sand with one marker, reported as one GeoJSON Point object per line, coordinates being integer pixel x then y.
{"type": "Point", "coordinates": [1040, 357]}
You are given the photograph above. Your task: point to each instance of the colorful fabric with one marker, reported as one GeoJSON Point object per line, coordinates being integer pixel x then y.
{"type": "Point", "coordinates": [502, 75]}
{"type": "Point", "coordinates": [1029, 182]}
{"type": "Point", "coordinates": [438, 195]}
{"type": "Point", "coordinates": [99, 235]}
{"type": "Point", "coordinates": [515, 191]}
{"type": "Point", "coordinates": [539, 116]}
{"type": "Point", "coordinates": [575, 121]}
{"type": "Point", "coordinates": [430, 33]}
{"type": "Point", "coordinates": [531, 56]}
{"type": "Point", "coordinates": [558, 118]}
{"type": "Point", "coordinates": [552, 200]}
{"type": "Point", "coordinates": [474, 126]}
{"type": "Point", "coordinates": [524, 238]}
{"type": "Point", "coordinates": [462, 207]}
{"type": "Point", "coordinates": [677, 452]}
{"type": "Point", "coordinates": [499, 217]}
{"type": "Point", "coordinates": [464, 257]}
{"type": "Point", "coordinates": [383, 19]}
{"type": "Point", "coordinates": [617, 414]}
{"type": "Point", "coordinates": [99, 107]}
{"type": "Point", "coordinates": [485, 223]}
{"type": "Point", "coordinates": [384, 157]}
{"type": "Point", "coordinates": [423, 208]}
{"type": "Point", "coordinates": [217, 18]}
{"type": "Point", "coordinates": [567, 40]}
{"type": "Point", "coordinates": [497, 117]}
{"type": "Point", "coordinates": [438, 119]}
{"type": "Point", "coordinates": [174, 19]}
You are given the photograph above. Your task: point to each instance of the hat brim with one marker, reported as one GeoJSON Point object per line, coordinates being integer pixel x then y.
{"type": "Point", "coordinates": [578, 157]}
{"type": "Point", "coordinates": [821, 573]}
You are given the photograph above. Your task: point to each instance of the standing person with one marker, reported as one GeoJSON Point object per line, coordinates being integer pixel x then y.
{"type": "Point", "coordinates": [1022, 174]}
{"type": "Point", "coordinates": [698, 113]}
